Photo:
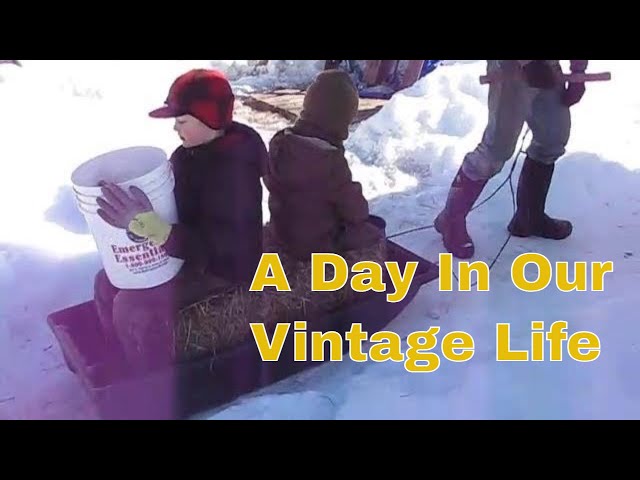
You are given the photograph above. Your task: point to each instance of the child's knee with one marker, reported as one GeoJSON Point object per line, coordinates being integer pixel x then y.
{"type": "Point", "coordinates": [139, 314]}
{"type": "Point", "coordinates": [141, 302]}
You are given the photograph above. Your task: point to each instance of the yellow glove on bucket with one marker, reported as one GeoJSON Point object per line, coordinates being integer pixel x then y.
{"type": "Point", "coordinates": [150, 226]}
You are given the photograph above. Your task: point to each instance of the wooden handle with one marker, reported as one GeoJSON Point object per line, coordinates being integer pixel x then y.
{"type": "Point", "coordinates": [566, 77]}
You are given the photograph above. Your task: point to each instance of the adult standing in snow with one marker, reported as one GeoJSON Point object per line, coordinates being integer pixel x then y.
{"type": "Point", "coordinates": [219, 235]}
{"type": "Point", "coordinates": [530, 91]}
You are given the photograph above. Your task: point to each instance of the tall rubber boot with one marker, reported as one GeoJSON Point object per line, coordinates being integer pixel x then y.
{"type": "Point", "coordinates": [530, 219]}
{"type": "Point", "coordinates": [451, 223]}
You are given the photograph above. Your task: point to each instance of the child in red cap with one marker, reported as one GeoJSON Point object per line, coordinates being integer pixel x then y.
{"type": "Point", "coordinates": [218, 194]}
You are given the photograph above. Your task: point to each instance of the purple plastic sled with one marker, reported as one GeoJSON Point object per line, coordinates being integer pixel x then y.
{"type": "Point", "coordinates": [195, 386]}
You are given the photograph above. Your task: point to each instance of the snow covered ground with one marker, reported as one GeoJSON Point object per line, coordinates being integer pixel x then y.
{"type": "Point", "coordinates": [56, 114]}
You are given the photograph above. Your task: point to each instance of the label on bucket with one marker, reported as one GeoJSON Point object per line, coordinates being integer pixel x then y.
{"type": "Point", "coordinates": [140, 258]}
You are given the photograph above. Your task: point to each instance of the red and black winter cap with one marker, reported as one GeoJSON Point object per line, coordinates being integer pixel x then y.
{"type": "Point", "coordinates": [203, 94]}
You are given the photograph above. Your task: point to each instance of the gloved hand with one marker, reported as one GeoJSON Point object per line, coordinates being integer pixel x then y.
{"type": "Point", "coordinates": [574, 92]}
{"type": "Point", "coordinates": [132, 212]}
{"type": "Point", "coordinates": [579, 66]}
{"type": "Point", "coordinates": [539, 74]}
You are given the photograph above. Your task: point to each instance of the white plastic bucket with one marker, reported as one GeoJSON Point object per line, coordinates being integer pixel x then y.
{"type": "Point", "coordinates": [129, 262]}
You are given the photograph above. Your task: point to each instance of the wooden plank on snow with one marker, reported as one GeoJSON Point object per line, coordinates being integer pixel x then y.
{"type": "Point", "coordinates": [288, 104]}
